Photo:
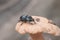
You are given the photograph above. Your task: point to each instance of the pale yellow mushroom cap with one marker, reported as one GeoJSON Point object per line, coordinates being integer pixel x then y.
{"type": "Point", "coordinates": [42, 25]}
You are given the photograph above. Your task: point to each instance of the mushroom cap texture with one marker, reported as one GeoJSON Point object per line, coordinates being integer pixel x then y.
{"type": "Point", "coordinates": [42, 25]}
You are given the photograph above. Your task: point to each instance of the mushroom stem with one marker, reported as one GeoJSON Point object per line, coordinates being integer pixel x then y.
{"type": "Point", "coordinates": [37, 36]}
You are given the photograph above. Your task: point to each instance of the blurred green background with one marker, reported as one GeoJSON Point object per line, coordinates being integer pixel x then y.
{"type": "Point", "coordinates": [11, 10]}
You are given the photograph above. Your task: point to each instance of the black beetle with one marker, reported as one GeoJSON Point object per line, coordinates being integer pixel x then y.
{"type": "Point", "coordinates": [26, 18]}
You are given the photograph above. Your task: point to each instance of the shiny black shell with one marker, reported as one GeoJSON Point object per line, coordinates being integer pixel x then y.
{"type": "Point", "coordinates": [26, 18]}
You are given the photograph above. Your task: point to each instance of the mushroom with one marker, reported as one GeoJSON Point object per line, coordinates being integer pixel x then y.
{"type": "Point", "coordinates": [43, 25]}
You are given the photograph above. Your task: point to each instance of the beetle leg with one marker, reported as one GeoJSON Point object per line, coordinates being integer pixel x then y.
{"type": "Point", "coordinates": [34, 22]}
{"type": "Point", "coordinates": [21, 23]}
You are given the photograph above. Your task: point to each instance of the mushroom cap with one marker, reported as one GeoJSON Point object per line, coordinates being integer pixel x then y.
{"type": "Point", "coordinates": [42, 25]}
